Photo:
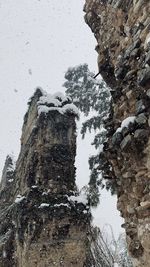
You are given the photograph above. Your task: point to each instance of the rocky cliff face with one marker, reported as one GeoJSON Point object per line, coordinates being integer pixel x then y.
{"type": "Point", "coordinates": [122, 30]}
{"type": "Point", "coordinates": [43, 219]}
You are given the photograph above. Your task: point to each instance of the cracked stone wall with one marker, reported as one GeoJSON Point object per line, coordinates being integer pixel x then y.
{"type": "Point", "coordinates": [122, 31]}
{"type": "Point", "coordinates": [43, 220]}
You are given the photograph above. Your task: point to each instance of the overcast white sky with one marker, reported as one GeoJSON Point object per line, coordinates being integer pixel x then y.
{"type": "Point", "coordinates": [40, 39]}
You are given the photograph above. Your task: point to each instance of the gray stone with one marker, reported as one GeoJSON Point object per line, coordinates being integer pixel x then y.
{"type": "Point", "coordinates": [125, 130]}
{"type": "Point", "coordinates": [117, 138]}
{"type": "Point", "coordinates": [147, 59]}
{"type": "Point", "coordinates": [144, 76]}
{"type": "Point", "coordinates": [130, 210]}
{"type": "Point", "coordinates": [121, 72]}
{"type": "Point", "coordinates": [141, 136]}
{"type": "Point", "coordinates": [140, 107]}
{"type": "Point", "coordinates": [135, 52]}
{"type": "Point", "coordinates": [135, 29]}
{"type": "Point", "coordinates": [126, 143]}
{"type": "Point", "coordinates": [134, 46]}
{"type": "Point", "coordinates": [148, 93]}
{"type": "Point", "coordinates": [145, 204]}
{"type": "Point", "coordinates": [130, 74]}
{"type": "Point", "coordinates": [137, 43]}
{"type": "Point", "coordinates": [141, 119]}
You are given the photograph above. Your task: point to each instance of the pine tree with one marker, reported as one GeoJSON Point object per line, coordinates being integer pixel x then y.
{"type": "Point", "coordinates": [92, 97]}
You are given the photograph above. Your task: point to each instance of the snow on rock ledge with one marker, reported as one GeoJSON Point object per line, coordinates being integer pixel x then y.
{"type": "Point", "coordinates": [125, 123]}
{"type": "Point", "coordinates": [57, 102]}
{"type": "Point", "coordinates": [19, 198]}
{"type": "Point", "coordinates": [82, 198]}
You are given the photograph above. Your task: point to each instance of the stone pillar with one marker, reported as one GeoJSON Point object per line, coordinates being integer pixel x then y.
{"type": "Point", "coordinates": [50, 222]}
{"type": "Point", "coordinates": [48, 145]}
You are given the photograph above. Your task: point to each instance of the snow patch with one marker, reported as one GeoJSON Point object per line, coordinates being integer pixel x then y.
{"type": "Point", "coordinates": [10, 180]}
{"type": "Point", "coordinates": [49, 99]}
{"type": "Point", "coordinates": [34, 186]}
{"type": "Point", "coordinates": [43, 109]}
{"type": "Point", "coordinates": [62, 97]}
{"type": "Point", "coordinates": [82, 198]}
{"type": "Point", "coordinates": [148, 39]}
{"type": "Point", "coordinates": [85, 211]}
{"type": "Point", "coordinates": [81, 79]}
{"type": "Point", "coordinates": [4, 254]}
{"type": "Point", "coordinates": [19, 198]}
{"type": "Point", "coordinates": [10, 168]}
{"type": "Point", "coordinates": [125, 123]}
{"type": "Point", "coordinates": [70, 108]}
{"type": "Point", "coordinates": [44, 205]}
{"type": "Point", "coordinates": [55, 205]}
{"type": "Point", "coordinates": [44, 193]}
{"type": "Point", "coordinates": [57, 102]}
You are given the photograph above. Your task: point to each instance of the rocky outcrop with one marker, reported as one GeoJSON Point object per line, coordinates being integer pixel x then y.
{"type": "Point", "coordinates": [43, 219]}
{"type": "Point", "coordinates": [122, 30]}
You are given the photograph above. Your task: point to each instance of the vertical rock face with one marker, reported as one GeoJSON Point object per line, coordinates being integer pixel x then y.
{"type": "Point", "coordinates": [44, 221]}
{"type": "Point", "coordinates": [122, 30]}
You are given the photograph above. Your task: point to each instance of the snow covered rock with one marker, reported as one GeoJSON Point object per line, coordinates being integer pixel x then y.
{"type": "Point", "coordinates": [57, 102]}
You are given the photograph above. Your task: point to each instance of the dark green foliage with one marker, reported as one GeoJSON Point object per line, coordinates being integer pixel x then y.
{"type": "Point", "coordinates": [87, 93]}
{"type": "Point", "coordinates": [92, 97]}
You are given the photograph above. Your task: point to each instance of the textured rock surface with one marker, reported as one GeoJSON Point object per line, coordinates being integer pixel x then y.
{"type": "Point", "coordinates": [122, 30]}
{"type": "Point", "coordinates": [43, 221]}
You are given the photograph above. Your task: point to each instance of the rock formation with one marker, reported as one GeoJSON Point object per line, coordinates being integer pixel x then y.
{"type": "Point", "coordinates": [122, 31]}
{"type": "Point", "coordinates": [44, 222]}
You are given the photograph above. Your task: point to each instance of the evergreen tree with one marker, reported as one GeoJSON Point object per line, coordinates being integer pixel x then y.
{"type": "Point", "coordinates": [92, 97]}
